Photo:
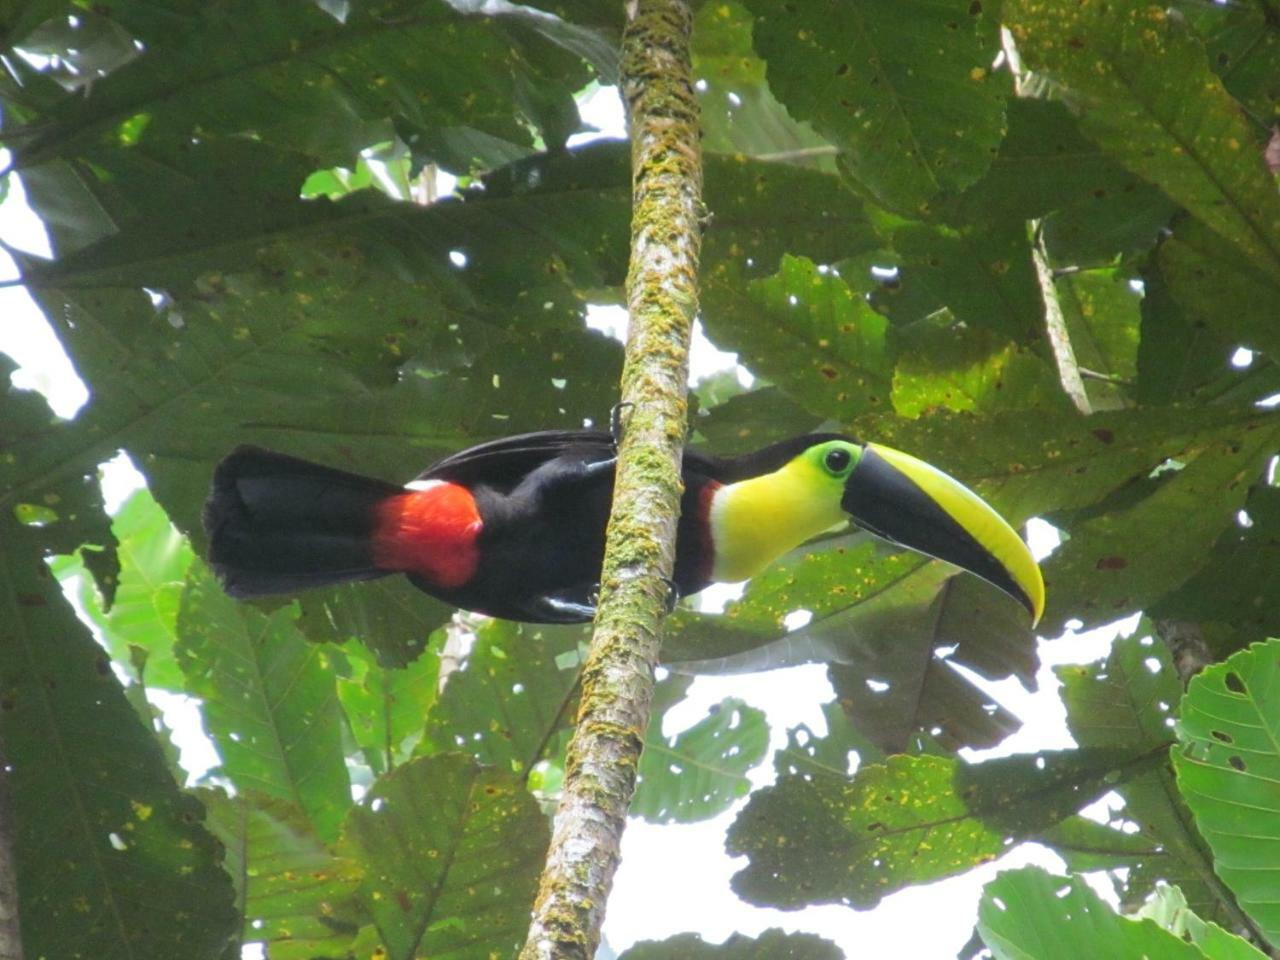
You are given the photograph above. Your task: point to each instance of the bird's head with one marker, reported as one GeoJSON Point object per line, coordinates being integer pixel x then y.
{"type": "Point", "coordinates": [906, 501]}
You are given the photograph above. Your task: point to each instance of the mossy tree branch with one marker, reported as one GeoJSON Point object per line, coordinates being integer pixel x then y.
{"type": "Point", "coordinates": [662, 296]}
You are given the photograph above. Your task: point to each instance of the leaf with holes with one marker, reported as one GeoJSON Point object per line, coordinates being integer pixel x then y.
{"type": "Point", "coordinates": [451, 853]}
{"type": "Point", "coordinates": [1145, 94]}
{"type": "Point", "coordinates": [806, 330]}
{"type": "Point", "coordinates": [270, 701]}
{"type": "Point", "coordinates": [140, 627]}
{"type": "Point", "coordinates": [512, 702]}
{"type": "Point", "coordinates": [857, 72]}
{"type": "Point", "coordinates": [1130, 701]}
{"type": "Point", "coordinates": [1130, 555]}
{"type": "Point", "coordinates": [110, 858]}
{"type": "Point", "coordinates": [909, 820]}
{"type": "Point", "coordinates": [386, 706]}
{"type": "Point", "coordinates": [740, 114]}
{"type": "Point", "coordinates": [290, 888]}
{"type": "Point", "coordinates": [1029, 913]}
{"type": "Point", "coordinates": [701, 771]}
{"type": "Point", "coordinates": [1228, 769]}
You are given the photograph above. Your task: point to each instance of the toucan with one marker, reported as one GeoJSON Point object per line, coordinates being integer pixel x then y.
{"type": "Point", "coordinates": [515, 527]}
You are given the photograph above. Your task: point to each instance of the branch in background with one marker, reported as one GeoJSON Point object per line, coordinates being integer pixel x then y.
{"type": "Point", "coordinates": [662, 297]}
{"type": "Point", "coordinates": [1056, 324]}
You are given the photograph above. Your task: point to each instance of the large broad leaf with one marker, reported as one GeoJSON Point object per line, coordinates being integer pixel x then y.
{"type": "Point", "coordinates": [739, 112]}
{"type": "Point", "coordinates": [806, 330]}
{"type": "Point", "coordinates": [951, 365]}
{"type": "Point", "coordinates": [140, 625]}
{"type": "Point", "coordinates": [699, 772]}
{"type": "Point", "coordinates": [982, 273]}
{"type": "Point", "coordinates": [1228, 770]}
{"type": "Point", "coordinates": [289, 886]}
{"type": "Point", "coordinates": [1092, 208]}
{"type": "Point", "coordinates": [770, 945]}
{"type": "Point", "coordinates": [271, 704]}
{"type": "Point", "coordinates": [386, 706]}
{"type": "Point", "coordinates": [1236, 584]}
{"type": "Point", "coordinates": [1244, 49]}
{"type": "Point", "coordinates": [1168, 907]}
{"type": "Point", "coordinates": [1130, 701]}
{"type": "Point", "coordinates": [1142, 84]}
{"type": "Point", "coordinates": [250, 68]}
{"type": "Point", "coordinates": [1133, 553]}
{"type": "Point", "coordinates": [856, 72]}
{"type": "Point", "coordinates": [451, 854]}
{"type": "Point", "coordinates": [1220, 290]}
{"type": "Point", "coordinates": [1029, 913]}
{"type": "Point", "coordinates": [909, 820]}
{"type": "Point", "coordinates": [513, 701]}
{"type": "Point", "coordinates": [112, 860]}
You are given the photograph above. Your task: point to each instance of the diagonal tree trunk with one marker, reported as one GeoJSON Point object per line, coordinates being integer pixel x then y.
{"type": "Point", "coordinates": [662, 297]}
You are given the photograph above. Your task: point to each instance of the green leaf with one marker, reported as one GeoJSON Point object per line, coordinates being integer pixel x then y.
{"type": "Point", "coordinates": [1092, 208]}
{"type": "Point", "coordinates": [1235, 584]}
{"type": "Point", "coordinates": [1129, 701]}
{"type": "Point", "coordinates": [512, 703]}
{"type": "Point", "coordinates": [1087, 845]}
{"type": "Point", "coordinates": [856, 73]}
{"type": "Point", "coordinates": [951, 365]}
{"type": "Point", "coordinates": [289, 886]}
{"type": "Point", "coordinates": [701, 771]}
{"type": "Point", "coordinates": [739, 112]}
{"type": "Point", "coordinates": [1029, 914]}
{"type": "Point", "coordinates": [1103, 316]}
{"type": "Point", "coordinates": [249, 68]}
{"type": "Point", "coordinates": [982, 273]}
{"type": "Point", "coordinates": [1177, 356]}
{"type": "Point", "coordinates": [909, 820]}
{"type": "Point", "coordinates": [879, 618]}
{"type": "Point", "coordinates": [770, 945]}
{"type": "Point", "coordinates": [1145, 94]}
{"type": "Point", "coordinates": [386, 705]}
{"type": "Point", "coordinates": [806, 330]}
{"type": "Point", "coordinates": [451, 854]}
{"type": "Point", "coordinates": [811, 756]}
{"type": "Point", "coordinates": [140, 627]}
{"type": "Point", "coordinates": [1228, 767]}
{"type": "Point", "coordinates": [1219, 290]}
{"type": "Point", "coordinates": [112, 859]}
{"type": "Point", "coordinates": [271, 704]}
{"type": "Point", "coordinates": [1168, 907]}
{"type": "Point", "coordinates": [1130, 555]}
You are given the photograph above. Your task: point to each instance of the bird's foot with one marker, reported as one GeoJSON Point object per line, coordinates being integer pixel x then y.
{"type": "Point", "coordinates": [615, 421]}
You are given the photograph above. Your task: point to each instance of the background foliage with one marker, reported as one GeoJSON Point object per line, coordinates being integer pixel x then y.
{"type": "Point", "coordinates": [229, 192]}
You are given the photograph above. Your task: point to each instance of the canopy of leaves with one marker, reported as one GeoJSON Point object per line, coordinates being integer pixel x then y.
{"type": "Point", "coordinates": [243, 251]}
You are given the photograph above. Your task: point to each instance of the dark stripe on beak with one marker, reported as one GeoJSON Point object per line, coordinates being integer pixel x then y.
{"type": "Point", "coordinates": [885, 501]}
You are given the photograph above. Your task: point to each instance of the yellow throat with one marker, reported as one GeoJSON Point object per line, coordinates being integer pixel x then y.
{"type": "Point", "coordinates": [755, 521]}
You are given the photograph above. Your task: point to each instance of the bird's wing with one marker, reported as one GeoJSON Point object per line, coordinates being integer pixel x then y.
{"type": "Point", "coordinates": [502, 464]}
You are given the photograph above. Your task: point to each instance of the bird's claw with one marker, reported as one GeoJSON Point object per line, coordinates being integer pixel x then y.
{"type": "Point", "coordinates": [615, 421]}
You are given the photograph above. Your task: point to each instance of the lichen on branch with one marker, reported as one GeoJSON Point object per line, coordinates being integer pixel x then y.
{"type": "Point", "coordinates": [662, 297]}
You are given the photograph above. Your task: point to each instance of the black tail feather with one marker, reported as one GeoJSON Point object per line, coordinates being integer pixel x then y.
{"type": "Point", "coordinates": [277, 524]}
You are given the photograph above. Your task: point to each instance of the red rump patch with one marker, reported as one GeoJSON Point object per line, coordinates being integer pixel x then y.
{"type": "Point", "coordinates": [429, 532]}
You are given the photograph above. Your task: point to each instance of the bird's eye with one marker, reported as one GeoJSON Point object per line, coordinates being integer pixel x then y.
{"type": "Point", "coordinates": [837, 460]}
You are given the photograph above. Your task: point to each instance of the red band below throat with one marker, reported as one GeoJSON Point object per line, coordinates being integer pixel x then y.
{"type": "Point", "coordinates": [429, 532]}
